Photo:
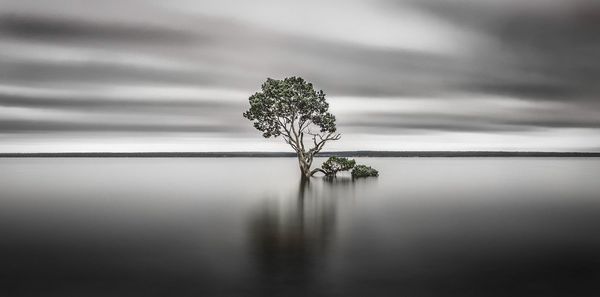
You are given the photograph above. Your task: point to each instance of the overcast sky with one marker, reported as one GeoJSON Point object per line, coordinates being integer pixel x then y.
{"type": "Point", "coordinates": [155, 75]}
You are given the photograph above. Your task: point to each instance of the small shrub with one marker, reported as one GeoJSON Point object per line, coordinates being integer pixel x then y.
{"type": "Point", "coordinates": [364, 171]}
{"type": "Point", "coordinates": [335, 164]}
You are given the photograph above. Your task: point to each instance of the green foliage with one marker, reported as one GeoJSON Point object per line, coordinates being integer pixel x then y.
{"type": "Point", "coordinates": [364, 171]}
{"type": "Point", "coordinates": [292, 109]}
{"type": "Point", "coordinates": [335, 164]}
{"type": "Point", "coordinates": [290, 101]}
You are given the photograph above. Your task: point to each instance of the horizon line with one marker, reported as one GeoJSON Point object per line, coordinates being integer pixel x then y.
{"type": "Point", "coordinates": [350, 153]}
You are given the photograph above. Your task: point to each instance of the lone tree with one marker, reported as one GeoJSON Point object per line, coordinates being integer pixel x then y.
{"type": "Point", "coordinates": [335, 164]}
{"type": "Point", "coordinates": [292, 109]}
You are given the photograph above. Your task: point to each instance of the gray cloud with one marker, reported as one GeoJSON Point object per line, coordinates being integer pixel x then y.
{"type": "Point", "coordinates": [546, 49]}
{"type": "Point", "coordinates": [183, 107]}
{"type": "Point", "coordinates": [63, 30]}
{"type": "Point", "coordinates": [468, 122]}
{"type": "Point", "coordinates": [14, 126]}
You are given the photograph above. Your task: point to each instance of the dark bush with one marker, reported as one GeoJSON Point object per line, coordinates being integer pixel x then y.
{"type": "Point", "coordinates": [335, 164]}
{"type": "Point", "coordinates": [364, 171]}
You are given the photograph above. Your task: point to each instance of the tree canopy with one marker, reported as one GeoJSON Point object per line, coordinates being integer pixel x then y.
{"type": "Point", "coordinates": [292, 109]}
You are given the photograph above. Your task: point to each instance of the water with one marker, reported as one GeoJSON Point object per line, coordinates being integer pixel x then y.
{"type": "Point", "coordinates": [249, 227]}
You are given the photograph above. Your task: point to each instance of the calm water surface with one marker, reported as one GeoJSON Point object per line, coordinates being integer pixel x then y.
{"type": "Point", "coordinates": [249, 227]}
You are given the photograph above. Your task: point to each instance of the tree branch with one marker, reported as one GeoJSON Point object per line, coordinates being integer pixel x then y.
{"type": "Point", "coordinates": [321, 143]}
{"type": "Point", "coordinates": [317, 170]}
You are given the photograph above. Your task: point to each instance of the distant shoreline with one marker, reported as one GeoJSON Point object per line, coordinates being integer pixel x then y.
{"type": "Point", "coordinates": [398, 154]}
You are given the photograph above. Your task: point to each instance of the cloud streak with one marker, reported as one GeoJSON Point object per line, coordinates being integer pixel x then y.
{"type": "Point", "coordinates": [65, 30]}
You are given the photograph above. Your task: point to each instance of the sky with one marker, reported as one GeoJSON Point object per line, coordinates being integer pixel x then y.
{"type": "Point", "coordinates": [155, 75]}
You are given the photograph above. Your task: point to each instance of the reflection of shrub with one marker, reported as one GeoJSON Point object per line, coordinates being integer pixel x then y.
{"type": "Point", "coordinates": [364, 171]}
{"type": "Point", "coordinates": [335, 164]}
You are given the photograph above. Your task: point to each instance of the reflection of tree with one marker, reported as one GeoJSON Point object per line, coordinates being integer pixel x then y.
{"type": "Point", "coordinates": [290, 243]}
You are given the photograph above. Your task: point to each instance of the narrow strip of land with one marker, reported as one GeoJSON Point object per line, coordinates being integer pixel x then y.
{"type": "Point", "coordinates": [405, 154]}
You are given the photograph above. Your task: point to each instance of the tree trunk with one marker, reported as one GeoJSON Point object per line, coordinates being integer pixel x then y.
{"type": "Point", "coordinates": [304, 169]}
{"type": "Point", "coordinates": [304, 166]}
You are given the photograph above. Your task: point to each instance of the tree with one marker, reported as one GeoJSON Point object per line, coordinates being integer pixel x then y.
{"type": "Point", "coordinates": [292, 109]}
{"type": "Point", "coordinates": [335, 164]}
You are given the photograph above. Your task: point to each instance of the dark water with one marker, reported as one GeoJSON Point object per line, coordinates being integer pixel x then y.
{"type": "Point", "coordinates": [249, 227]}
